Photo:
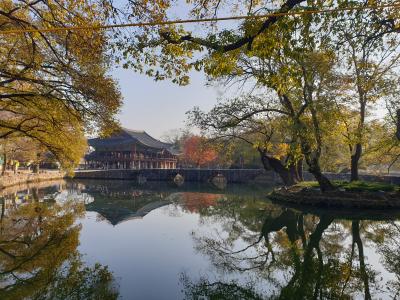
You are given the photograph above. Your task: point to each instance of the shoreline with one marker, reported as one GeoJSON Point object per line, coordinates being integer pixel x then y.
{"type": "Point", "coordinates": [7, 181]}
{"type": "Point", "coordinates": [338, 199]}
{"type": "Point", "coordinates": [300, 196]}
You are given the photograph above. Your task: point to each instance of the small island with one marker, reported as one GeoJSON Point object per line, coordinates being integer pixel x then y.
{"type": "Point", "coordinates": [356, 195]}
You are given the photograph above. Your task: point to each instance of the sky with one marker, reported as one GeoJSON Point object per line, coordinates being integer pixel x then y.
{"type": "Point", "coordinates": [158, 107]}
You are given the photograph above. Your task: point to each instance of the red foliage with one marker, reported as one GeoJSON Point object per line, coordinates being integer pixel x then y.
{"type": "Point", "coordinates": [194, 202]}
{"type": "Point", "coordinates": [197, 152]}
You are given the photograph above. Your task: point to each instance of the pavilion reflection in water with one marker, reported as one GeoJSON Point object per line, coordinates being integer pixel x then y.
{"type": "Point", "coordinates": [117, 207]}
{"type": "Point", "coordinates": [115, 201]}
{"type": "Point", "coordinates": [122, 201]}
{"type": "Point", "coordinates": [275, 252]}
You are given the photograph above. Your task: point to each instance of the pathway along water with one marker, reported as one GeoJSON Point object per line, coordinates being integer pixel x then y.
{"type": "Point", "coordinates": [110, 239]}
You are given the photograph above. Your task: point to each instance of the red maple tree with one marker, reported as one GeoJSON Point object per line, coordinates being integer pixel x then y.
{"type": "Point", "coordinates": [198, 152]}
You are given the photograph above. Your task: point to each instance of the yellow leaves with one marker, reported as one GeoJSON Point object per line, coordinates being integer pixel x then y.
{"type": "Point", "coordinates": [281, 150]}
{"type": "Point", "coordinates": [56, 83]}
{"type": "Point", "coordinates": [222, 64]}
{"type": "Point", "coordinates": [173, 49]}
{"type": "Point", "coordinates": [41, 239]}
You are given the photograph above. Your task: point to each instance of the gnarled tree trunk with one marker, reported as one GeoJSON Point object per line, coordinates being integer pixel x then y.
{"type": "Point", "coordinates": [355, 158]}
{"type": "Point", "coordinates": [311, 155]}
{"type": "Point", "coordinates": [35, 168]}
{"type": "Point", "coordinates": [312, 159]}
{"type": "Point", "coordinates": [324, 183]}
{"type": "Point", "coordinates": [299, 170]}
{"type": "Point", "coordinates": [3, 171]}
{"type": "Point", "coordinates": [398, 125]}
{"type": "Point", "coordinates": [288, 174]}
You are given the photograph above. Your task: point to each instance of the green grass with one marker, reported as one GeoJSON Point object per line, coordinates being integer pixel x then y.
{"type": "Point", "coordinates": [356, 186]}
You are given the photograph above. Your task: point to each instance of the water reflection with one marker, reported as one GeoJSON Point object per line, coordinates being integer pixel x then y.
{"type": "Point", "coordinates": [192, 242]}
{"type": "Point", "coordinates": [119, 201]}
{"type": "Point", "coordinates": [38, 250]}
{"type": "Point", "coordinates": [298, 255]}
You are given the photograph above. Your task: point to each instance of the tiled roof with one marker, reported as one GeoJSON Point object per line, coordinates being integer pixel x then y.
{"type": "Point", "coordinates": [127, 136]}
{"type": "Point", "coordinates": [144, 138]}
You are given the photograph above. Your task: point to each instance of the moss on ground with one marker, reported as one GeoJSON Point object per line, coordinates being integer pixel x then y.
{"type": "Point", "coordinates": [357, 186]}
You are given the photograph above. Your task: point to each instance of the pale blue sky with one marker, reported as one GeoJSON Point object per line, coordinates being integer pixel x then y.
{"type": "Point", "coordinates": [158, 107]}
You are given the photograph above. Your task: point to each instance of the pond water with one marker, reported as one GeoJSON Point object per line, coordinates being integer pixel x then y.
{"type": "Point", "coordinates": [120, 240]}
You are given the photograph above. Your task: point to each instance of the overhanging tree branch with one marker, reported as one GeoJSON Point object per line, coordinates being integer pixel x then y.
{"type": "Point", "coordinates": [245, 40]}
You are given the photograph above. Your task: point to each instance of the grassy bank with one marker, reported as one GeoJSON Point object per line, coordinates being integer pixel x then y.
{"type": "Point", "coordinates": [349, 195]}
{"type": "Point", "coordinates": [356, 186]}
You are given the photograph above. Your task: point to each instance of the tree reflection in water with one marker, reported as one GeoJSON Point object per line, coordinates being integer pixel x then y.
{"type": "Point", "coordinates": [295, 255]}
{"type": "Point", "coordinates": [39, 257]}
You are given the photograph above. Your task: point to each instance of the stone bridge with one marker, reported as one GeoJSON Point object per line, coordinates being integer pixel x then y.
{"type": "Point", "coordinates": [189, 175]}
{"type": "Point", "coordinates": [205, 175]}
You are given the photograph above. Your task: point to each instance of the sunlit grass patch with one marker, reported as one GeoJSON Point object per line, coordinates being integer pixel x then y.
{"type": "Point", "coordinates": [356, 185]}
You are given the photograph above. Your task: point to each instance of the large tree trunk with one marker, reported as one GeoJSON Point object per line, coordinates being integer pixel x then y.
{"type": "Point", "coordinates": [355, 158]}
{"type": "Point", "coordinates": [3, 171]}
{"type": "Point", "coordinates": [295, 168]}
{"type": "Point", "coordinates": [398, 125]}
{"type": "Point", "coordinates": [324, 183]}
{"type": "Point", "coordinates": [312, 156]}
{"type": "Point", "coordinates": [35, 168]}
{"type": "Point", "coordinates": [287, 174]}
{"type": "Point", "coordinates": [312, 159]}
{"type": "Point", "coordinates": [299, 170]}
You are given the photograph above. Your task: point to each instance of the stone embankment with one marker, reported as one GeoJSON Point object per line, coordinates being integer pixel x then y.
{"type": "Point", "coordinates": [204, 175]}
{"type": "Point", "coordinates": [337, 199]}
{"type": "Point", "coordinates": [188, 175]}
{"type": "Point", "coordinates": [11, 179]}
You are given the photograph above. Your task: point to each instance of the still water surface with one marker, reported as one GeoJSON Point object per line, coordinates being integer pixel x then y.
{"type": "Point", "coordinates": [119, 240]}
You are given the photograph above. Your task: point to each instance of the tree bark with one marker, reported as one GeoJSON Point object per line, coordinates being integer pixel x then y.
{"type": "Point", "coordinates": [324, 183]}
{"type": "Point", "coordinates": [35, 168]}
{"type": "Point", "coordinates": [355, 158]}
{"type": "Point", "coordinates": [299, 169]}
{"type": "Point", "coordinates": [312, 156]}
{"type": "Point", "coordinates": [286, 174]}
{"type": "Point", "coordinates": [398, 125]}
{"type": "Point", "coordinates": [312, 160]}
{"type": "Point", "coordinates": [3, 171]}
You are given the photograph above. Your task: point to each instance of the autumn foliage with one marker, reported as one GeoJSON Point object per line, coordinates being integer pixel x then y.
{"type": "Point", "coordinates": [197, 152]}
{"type": "Point", "coordinates": [195, 202]}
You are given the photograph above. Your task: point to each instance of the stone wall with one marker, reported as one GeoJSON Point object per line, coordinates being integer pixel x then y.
{"type": "Point", "coordinates": [190, 175]}
{"type": "Point", "coordinates": [28, 185]}
{"type": "Point", "coordinates": [25, 177]}
{"type": "Point", "coordinates": [204, 175]}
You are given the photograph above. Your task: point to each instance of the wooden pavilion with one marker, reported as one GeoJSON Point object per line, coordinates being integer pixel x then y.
{"type": "Point", "coordinates": [130, 149]}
